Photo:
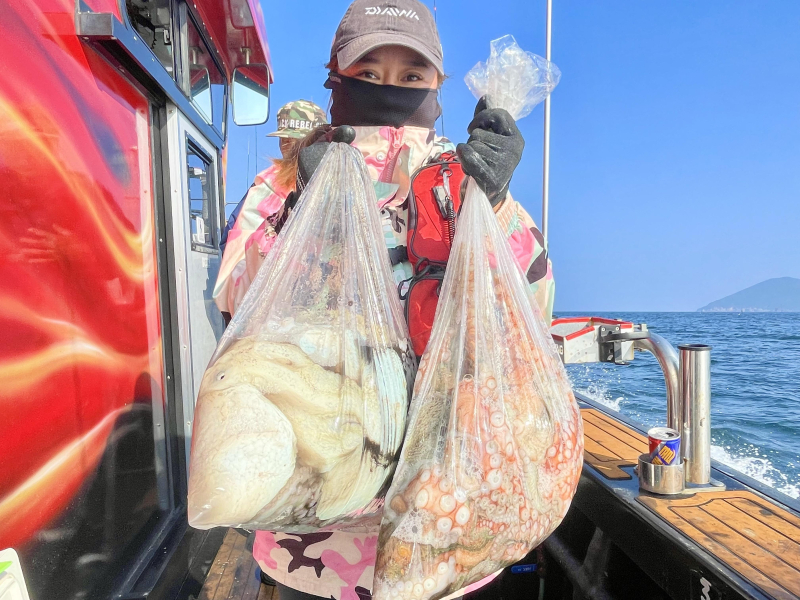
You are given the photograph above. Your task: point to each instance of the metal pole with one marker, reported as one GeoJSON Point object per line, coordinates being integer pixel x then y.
{"type": "Point", "coordinates": [546, 153]}
{"type": "Point", "coordinates": [668, 360]}
{"type": "Point", "coordinates": [695, 362]}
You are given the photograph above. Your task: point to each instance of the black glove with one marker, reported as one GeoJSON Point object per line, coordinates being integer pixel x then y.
{"type": "Point", "coordinates": [311, 156]}
{"type": "Point", "coordinates": [493, 150]}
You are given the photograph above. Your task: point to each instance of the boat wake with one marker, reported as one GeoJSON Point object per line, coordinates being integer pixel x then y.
{"type": "Point", "coordinates": [600, 394]}
{"type": "Point", "coordinates": [585, 382]}
{"type": "Point", "coordinates": [758, 442]}
{"type": "Point", "coordinates": [759, 468]}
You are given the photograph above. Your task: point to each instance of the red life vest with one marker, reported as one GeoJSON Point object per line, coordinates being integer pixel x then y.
{"type": "Point", "coordinates": [433, 204]}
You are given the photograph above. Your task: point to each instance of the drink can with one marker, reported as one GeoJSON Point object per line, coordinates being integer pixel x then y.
{"type": "Point", "coordinates": [665, 446]}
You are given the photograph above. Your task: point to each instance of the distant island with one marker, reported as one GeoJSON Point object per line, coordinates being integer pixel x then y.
{"type": "Point", "coordinates": [781, 294]}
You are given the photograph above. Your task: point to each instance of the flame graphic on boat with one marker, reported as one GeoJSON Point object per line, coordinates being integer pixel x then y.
{"type": "Point", "coordinates": [79, 304]}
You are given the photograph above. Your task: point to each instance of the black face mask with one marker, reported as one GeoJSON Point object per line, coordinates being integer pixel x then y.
{"type": "Point", "coordinates": [357, 102]}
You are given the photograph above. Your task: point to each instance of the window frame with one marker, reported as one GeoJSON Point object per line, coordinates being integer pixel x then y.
{"type": "Point", "coordinates": [194, 147]}
{"type": "Point", "coordinates": [180, 14]}
{"type": "Point", "coordinates": [186, 16]}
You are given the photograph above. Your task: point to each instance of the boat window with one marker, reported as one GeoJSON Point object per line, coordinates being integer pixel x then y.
{"type": "Point", "coordinates": [201, 199]}
{"type": "Point", "coordinates": [200, 93]}
{"type": "Point", "coordinates": [152, 20]}
{"type": "Point", "coordinates": [206, 81]}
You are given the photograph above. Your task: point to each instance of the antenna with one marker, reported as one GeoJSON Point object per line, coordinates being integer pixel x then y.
{"type": "Point", "coordinates": [441, 88]}
{"type": "Point", "coordinates": [546, 152]}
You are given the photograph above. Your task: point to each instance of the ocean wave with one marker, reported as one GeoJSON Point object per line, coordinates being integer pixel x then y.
{"type": "Point", "coordinates": [758, 468]}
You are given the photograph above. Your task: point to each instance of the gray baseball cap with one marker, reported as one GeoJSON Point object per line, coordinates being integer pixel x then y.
{"type": "Point", "coordinates": [370, 24]}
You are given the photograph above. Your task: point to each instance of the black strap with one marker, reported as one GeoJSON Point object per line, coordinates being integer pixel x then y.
{"type": "Point", "coordinates": [398, 255]}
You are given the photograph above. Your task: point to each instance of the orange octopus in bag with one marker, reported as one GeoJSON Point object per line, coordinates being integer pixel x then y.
{"type": "Point", "coordinates": [503, 478]}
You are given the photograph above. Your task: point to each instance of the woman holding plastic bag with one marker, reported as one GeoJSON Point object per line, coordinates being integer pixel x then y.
{"type": "Point", "coordinates": [393, 68]}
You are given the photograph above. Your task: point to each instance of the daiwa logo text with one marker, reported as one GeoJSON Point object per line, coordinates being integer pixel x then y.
{"type": "Point", "coordinates": [389, 10]}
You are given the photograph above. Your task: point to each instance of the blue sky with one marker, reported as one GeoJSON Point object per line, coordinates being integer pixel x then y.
{"type": "Point", "coordinates": [675, 137]}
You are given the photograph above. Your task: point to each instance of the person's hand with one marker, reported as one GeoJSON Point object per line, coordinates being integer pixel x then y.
{"type": "Point", "coordinates": [310, 156]}
{"type": "Point", "coordinates": [493, 150]}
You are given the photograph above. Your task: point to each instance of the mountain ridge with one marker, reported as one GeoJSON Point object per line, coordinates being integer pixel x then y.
{"type": "Point", "coordinates": [780, 294]}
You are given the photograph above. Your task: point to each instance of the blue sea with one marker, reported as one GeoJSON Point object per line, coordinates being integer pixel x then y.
{"type": "Point", "coordinates": [755, 387]}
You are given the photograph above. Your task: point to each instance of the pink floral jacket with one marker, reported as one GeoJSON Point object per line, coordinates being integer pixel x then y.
{"type": "Point", "coordinates": [340, 564]}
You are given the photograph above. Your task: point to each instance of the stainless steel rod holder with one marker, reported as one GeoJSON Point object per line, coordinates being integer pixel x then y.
{"type": "Point", "coordinates": [695, 389]}
{"type": "Point", "coordinates": [660, 479]}
{"type": "Point", "coordinates": [667, 358]}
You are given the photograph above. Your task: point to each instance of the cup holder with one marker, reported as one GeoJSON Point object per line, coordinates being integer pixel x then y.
{"type": "Point", "coordinates": [666, 480]}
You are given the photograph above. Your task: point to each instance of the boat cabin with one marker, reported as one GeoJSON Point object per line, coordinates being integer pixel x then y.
{"type": "Point", "coordinates": [113, 123]}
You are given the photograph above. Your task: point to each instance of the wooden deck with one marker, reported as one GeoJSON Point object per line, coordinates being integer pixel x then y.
{"type": "Point", "coordinates": [235, 574]}
{"type": "Point", "coordinates": [610, 444]}
{"type": "Point", "coordinates": [749, 533]}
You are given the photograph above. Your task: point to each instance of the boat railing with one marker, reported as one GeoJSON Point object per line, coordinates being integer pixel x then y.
{"type": "Point", "coordinates": [688, 389]}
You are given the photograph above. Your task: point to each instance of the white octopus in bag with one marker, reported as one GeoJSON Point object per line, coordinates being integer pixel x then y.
{"type": "Point", "coordinates": [280, 419]}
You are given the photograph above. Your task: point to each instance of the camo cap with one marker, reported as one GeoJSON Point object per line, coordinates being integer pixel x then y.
{"type": "Point", "coordinates": [370, 24]}
{"type": "Point", "coordinates": [296, 119]}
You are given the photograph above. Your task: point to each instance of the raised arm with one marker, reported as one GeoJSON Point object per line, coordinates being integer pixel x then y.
{"type": "Point", "coordinates": [490, 156]}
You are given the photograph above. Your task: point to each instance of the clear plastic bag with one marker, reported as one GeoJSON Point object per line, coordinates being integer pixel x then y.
{"type": "Point", "coordinates": [513, 78]}
{"type": "Point", "coordinates": [494, 446]}
{"type": "Point", "coordinates": [302, 410]}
